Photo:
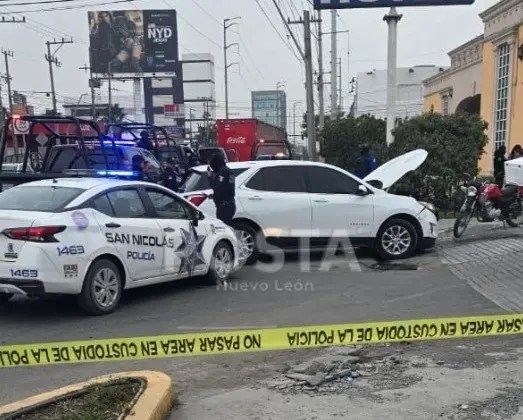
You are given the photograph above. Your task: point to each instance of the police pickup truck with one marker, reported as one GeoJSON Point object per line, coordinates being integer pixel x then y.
{"type": "Point", "coordinates": [65, 146]}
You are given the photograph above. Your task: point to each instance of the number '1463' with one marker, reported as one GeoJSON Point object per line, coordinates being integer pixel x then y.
{"type": "Point", "coordinates": [70, 250]}
{"type": "Point", "coordinates": [24, 273]}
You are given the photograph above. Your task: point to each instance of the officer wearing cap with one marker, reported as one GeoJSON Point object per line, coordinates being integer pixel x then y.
{"type": "Point", "coordinates": [171, 179]}
{"type": "Point", "coordinates": [223, 185]}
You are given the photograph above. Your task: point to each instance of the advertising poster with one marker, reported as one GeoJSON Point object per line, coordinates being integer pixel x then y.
{"type": "Point", "coordinates": [133, 43]}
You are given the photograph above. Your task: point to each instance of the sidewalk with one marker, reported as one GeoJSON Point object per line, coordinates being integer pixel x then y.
{"type": "Point", "coordinates": [448, 224]}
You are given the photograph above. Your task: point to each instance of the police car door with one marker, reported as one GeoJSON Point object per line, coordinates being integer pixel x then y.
{"type": "Point", "coordinates": [126, 225]}
{"type": "Point", "coordinates": [185, 258]}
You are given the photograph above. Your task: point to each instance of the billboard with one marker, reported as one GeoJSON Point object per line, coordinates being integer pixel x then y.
{"type": "Point", "coordinates": [174, 111]}
{"type": "Point", "coordinates": [133, 43]}
{"type": "Point", "coordinates": [364, 4]}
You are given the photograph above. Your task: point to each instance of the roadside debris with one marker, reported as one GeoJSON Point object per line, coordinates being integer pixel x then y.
{"type": "Point", "coordinates": [341, 368]}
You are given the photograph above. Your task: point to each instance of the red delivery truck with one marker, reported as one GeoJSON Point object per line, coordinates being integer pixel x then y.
{"type": "Point", "coordinates": [250, 138]}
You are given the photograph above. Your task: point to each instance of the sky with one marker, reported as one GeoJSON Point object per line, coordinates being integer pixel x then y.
{"type": "Point", "coordinates": [267, 55]}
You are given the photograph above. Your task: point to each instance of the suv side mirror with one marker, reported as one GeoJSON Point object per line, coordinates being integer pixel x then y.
{"type": "Point", "coordinates": [362, 190]}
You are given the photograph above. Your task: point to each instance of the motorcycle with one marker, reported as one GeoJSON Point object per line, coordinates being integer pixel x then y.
{"type": "Point", "coordinates": [489, 203]}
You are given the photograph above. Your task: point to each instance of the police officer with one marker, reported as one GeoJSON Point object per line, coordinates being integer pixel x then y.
{"type": "Point", "coordinates": [223, 185]}
{"type": "Point", "coordinates": [171, 179]}
{"type": "Point", "coordinates": [139, 166]}
{"type": "Point", "coordinates": [144, 142]}
{"type": "Point", "coordinates": [366, 162]}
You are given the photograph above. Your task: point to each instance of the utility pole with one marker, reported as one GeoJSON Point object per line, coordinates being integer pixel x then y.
{"type": "Point", "coordinates": [320, 75]}
{"type": "Point", "coordinates": [306, 55]}
{"type": "Point", "coordinates": [294, 121]}
{"type": "Point", "coordinates": [110, 88]}
{"type": "Point", "coordinates": [309, 83]}
{"type": "Point", "coordinates": [52, 59]}
{"type": "Point", "coordinates": [340, 96]}
{"type": "Point", "coordinates": [334, 63]}
{"type": "Point", "coordinates": [226, 26]}
{"type": "Point", "coordinates": [2, 114]}
{"type": "Point", "coordinates": [7, 54]}
{"type": "Point", "coordinates": [311, 123]}
{"type": "Point", "coordinates": [91, 86]}
{"type": "Point", "coordinates": [392, 19]}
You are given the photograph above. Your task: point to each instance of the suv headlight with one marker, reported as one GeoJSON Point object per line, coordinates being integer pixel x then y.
{"type": "Point", "coordinates": [431, 207]}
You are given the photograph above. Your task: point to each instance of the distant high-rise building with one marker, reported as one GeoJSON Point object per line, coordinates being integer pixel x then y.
{"type": "Point", "coordinates": [199, 88]}
{"type": "Point", "coordinates": [270, 106]}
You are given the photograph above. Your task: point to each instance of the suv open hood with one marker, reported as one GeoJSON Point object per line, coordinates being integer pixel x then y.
{"type": "Point", "coordinates": [392, 171]}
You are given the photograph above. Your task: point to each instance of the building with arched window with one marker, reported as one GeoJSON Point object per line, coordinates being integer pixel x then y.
{"type": "Point", "coordinates": [485, 78]}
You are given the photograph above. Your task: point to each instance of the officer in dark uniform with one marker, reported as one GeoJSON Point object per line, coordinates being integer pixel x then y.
{"type": "Point", "coordinates": [139, 166]}
{"type": "Point", "coordinates": [223, 185]}
{"type": "Point", "coordinates": [171, 179]}
{"type": "Point", "coordinates": [366, 162]}
{"type": "Point", "coordinates": [144, 142]}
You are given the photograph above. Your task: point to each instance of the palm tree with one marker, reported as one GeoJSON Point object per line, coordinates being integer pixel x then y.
{"type": "Point", "coordinates": [116, 114]}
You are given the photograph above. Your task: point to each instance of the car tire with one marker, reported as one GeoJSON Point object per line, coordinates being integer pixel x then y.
{"type": "Point", "coordinates": [221, 264]}
{"type": "Point", "coordinates": [101, 273]}
{"type": "Point", "coordinates": [247, 238]}
{"type": "Point", "coordinates": [5, 297]}
{"type": "Point", "coordinates": [388, 241]}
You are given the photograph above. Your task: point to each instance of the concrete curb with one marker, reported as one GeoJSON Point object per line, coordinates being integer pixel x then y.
{"type": "Point", "coordinates": [154, 403]}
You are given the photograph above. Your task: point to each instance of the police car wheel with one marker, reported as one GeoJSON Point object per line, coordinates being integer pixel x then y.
{"type": "Point", "coordinates": [396, 239]}
{"type": "Point", "coordinates": [102, 288]}
{"type": "Point", "coordinates": [221, 265]}
{"type": "Point", "coordinates": [5, 297]}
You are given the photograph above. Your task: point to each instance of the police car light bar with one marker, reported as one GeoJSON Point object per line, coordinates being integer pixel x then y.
{"type": "Point", "coordinates": [116, 173]}
{"type": "Point", "coordinates": [111, 142]}
{"type": "Point", "coordinates": [120, 142]}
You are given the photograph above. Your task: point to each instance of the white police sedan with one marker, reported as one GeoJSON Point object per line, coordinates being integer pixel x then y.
{"type": "Point", "coordinates": [95, 237]}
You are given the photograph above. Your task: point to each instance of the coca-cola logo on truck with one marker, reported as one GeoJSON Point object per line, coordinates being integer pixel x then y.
{"type": "Point", "coordinates": [236, 140]}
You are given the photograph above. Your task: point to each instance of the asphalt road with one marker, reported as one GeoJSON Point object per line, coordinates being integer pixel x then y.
{"type": "Point", "coordinates": [332, 293]}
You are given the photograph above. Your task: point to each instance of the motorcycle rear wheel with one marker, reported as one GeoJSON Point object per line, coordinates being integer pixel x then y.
{"type": "Point", "coordinates": [462, 221]}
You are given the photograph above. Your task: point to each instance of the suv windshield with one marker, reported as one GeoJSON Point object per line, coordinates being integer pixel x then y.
{"type": "Point", "coordinates": [198, 181]}
{"type": "Point", "coordinates": [41, 198]}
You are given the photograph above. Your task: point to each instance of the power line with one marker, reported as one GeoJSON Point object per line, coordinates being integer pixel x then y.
{"type": "Point", "coordinates": [274, 27]}
{"type": "Point", "coordinates": [52, 9]}
{"type": "Point", "coordinates": [220, 24]}
{"type": "Point", "coordinates": [192, 26]}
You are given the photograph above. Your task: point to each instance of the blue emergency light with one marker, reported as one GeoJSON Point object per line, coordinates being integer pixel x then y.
{"type": "Point", "coordinates": [120, 142]}
{"type": "Point", "coordinates": [104, 172]}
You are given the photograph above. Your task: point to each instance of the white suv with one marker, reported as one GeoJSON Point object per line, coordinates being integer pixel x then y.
{"type": "Point", "coordinates": [284, 202]}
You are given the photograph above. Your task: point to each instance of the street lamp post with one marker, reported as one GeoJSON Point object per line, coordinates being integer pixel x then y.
{"type": "Point", "coordinates": [226, 64]}
{"type": "Point", "coordinates": [294, 120]}
{"type": "Point", "coordinates": [191, 141]}
{"type": "Point", "coordinates": [78, 103]}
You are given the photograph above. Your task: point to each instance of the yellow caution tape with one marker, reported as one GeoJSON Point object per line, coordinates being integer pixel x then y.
{"type": "Point", "coordinates": [240, 341]}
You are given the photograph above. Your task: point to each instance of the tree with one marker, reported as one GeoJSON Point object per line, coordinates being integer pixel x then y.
{"type": "Point", "coordinates": [327, 118]}
{"type": "Point", "coordinates": [343, 137]}
{"type": "Point", "coordinates": [454, 143]}
{"type": "Point", "coordinates": [206, 136]}
{"type": "Point", "coordinates": [115, 114]}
